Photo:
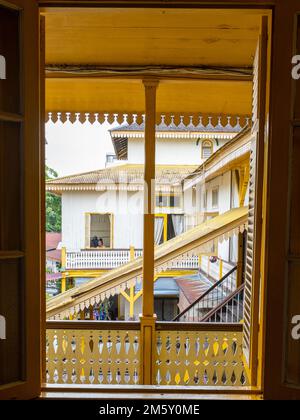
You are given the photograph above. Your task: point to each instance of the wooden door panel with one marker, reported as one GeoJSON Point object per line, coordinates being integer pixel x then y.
{"type": "Point", "coordinates": [20, 205]}
{"type": "Point", "coordinates": [12, 306]}
{"type": "Point", "coordinates": [254, 236]}
{"type": "Point", "coordinates": [9, 48]}
{"type": "Point", "coordinates": [10, 186]}
{"type": "Point", "coordinates": [292, 361]}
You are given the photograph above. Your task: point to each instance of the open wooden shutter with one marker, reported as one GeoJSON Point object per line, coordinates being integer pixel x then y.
{"type": "Point", "coordinates": [292, 284]}
{"type": "Point", "coordinates": [20, 208]}
{"type": "Point", "coordinates": [253, 253]}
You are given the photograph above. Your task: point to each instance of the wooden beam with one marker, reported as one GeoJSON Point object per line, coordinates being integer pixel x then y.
{"type": "Point", "coordinates": [61, 71]}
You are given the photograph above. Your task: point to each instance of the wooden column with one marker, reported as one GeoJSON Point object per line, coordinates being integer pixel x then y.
{"type": "Point", "coordinates": [149, 197]}
{"type": "Point", "coordinates": [148, 318]}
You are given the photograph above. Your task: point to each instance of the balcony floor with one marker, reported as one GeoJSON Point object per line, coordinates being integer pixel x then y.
{"type": "Point", "coordinates": [146, 392]}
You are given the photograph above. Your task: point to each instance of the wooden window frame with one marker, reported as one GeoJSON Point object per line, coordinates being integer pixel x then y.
{"type": "Point", "coordinates": [163, 216]}
{"type": "Point", "coordinates": [274, 254]}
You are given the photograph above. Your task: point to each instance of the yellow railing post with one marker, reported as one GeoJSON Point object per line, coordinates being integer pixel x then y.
{"type": "Point", "coordinates": [148, 318]}
{"type": "Point", "coordinates": [63, 258]}
{"type": "Point", "coordinates": [221, 269]}
{"type": "Point", "coordinates": [63, 268]}
{"type": "Point", "coordinates": [132, 253]}
{"type": "Point", "coordinates": [147, 352]}
{"type": "Point", "coordinates": [131, 302]}
{"type": "Point", "coordinates": [131, 295]}
{"type": "Point", "coordinates": [63, 283]}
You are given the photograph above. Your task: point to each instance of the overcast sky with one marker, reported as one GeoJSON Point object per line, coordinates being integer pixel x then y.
{"type": "Point", "coordinates": [75, 147]}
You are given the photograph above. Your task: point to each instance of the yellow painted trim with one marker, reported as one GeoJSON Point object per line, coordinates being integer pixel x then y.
{"type": "Point", "coordinates": [221, 269]}
{"type": "Point", "coordinates": [63, 283]}
{"type": "Point", "coordinates": [112, 221]}
{"type": "Point", "coordinates": [119, 297]}
{"type": "Point", "coordinates": [131, 302]}
{"type": "Point", "coordinates": [125, 295]}
{"type": "Point", "coordinates": [174, 273]}
{"type": "Point", "coordinates": [244, 181]}
{"type": "Point", "coordinates": [85, 273]}
{"type": "Point", "coordinates": [138, 295]}
{"type": "Point", "coordinates": [165, 217]}
{"type": "Point", "coordinates": [63, 257]}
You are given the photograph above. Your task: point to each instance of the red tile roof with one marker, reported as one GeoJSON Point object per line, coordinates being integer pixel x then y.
{"type": "Point", "coordinates": [193, 287]}
{"type": "Point", "coordinates": [53, 276]}
{"type": "Point", "coordinates": [52, 241]}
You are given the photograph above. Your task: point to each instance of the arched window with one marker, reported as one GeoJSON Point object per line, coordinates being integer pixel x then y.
{"type": "Point", "coordinates": [207, 149]}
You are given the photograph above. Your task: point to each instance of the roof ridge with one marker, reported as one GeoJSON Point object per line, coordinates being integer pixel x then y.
{"type": "Point", "coordinates": [134, 166]}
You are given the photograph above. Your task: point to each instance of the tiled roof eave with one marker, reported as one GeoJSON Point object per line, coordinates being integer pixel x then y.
{"type": "Point", "coordinates": [180, 135]}
{"type": "Point", "coordinates": [109, 187]}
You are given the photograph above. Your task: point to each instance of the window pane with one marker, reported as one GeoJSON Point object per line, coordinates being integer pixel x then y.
{"type": "Point", "coordinates": [11, 309]}
{"type": "Point", "coordinates": [100, 231]}
{"type": "Point", "coordinates": [9, 49]}
{"type": "Point", "coordinates": [10, 176]}
{"type": "Point", "coordinates": [207, 149]}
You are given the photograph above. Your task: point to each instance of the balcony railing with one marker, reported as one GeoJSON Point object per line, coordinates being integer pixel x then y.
{"type": "Point", "coordinates": [109, 353]}
{"type": "Point", "coordinates": [199, 355]}
{"type": "Point", "coordinates": [103, 353]}
{"type": "Point", "coordinates": [100, 259]}
{"type": "Point", "coordinates": [108, 259]}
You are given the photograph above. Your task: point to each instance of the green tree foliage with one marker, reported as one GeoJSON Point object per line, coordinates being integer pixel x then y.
{"type": "Point", "coordinates": [53, 206]}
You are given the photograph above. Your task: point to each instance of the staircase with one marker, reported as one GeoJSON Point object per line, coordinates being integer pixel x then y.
{"type": "Point", "coordinates": [214, 298]}
{"type": "Point", "coordinates": [230, 311]}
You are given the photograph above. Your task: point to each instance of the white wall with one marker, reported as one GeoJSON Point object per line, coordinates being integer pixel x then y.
{"type": "Point", "coordinates": [127, 210]}
{"type": "Point", "coordinates": [128, 217]}
{"type": "Point", "coordinates": [168, 151]}
{"type": "Point", "coordinates": [228, 198]}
